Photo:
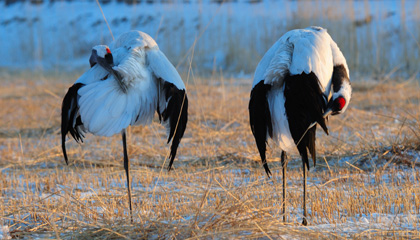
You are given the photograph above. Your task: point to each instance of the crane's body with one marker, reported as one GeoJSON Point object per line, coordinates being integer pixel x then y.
{"type": "Point", "coordinates": [127, 82]}
{"type": "Point", "coordinates": [300, 80]}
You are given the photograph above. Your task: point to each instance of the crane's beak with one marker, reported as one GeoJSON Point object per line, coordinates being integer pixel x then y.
{"type": "Point", "coordinates": [334, 107]}
{"type": "Point", "coordinates": [327, 112]}
{"type": "Point", "coordinates": [94, 59]}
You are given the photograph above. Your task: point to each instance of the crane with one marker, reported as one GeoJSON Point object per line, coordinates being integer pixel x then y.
{"type": "Point", "coordinates": [128, 81]}
{"type": "Point", "coordinates": [301, 80]}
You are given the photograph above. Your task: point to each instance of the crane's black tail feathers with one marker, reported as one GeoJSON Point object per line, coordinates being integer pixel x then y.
{"type": "Point", "coordinates": [69, 118]}
{"type": "Point", "coordinates": [305, 103]}
{"type": "Point", "coordinates": [177, 108]}
{"type": "Point", "coordinates": [260, 119]}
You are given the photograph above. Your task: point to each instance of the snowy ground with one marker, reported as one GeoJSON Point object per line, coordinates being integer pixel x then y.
{"type": "Point", "coordinates": [366, 182]}
{"type": "Point", "coordinates": [377, 37]}
{"type": "Point", "coordinates": [4, 232]}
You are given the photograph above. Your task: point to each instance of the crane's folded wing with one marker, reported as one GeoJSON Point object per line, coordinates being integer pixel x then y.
{"type": "Point", "coordinates": [173, 101]}
{"type": "Point", "coordinates": [105, 110]}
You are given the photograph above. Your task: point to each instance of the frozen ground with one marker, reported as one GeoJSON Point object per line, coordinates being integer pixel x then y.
{"type": "Point", "coordinates": [377, 37]}
{"type": "Point", "coordinates": [365, 184]}
{"type": "Point", "coordinates": [4, 232]}
{"type": "Point", "coordinates": [395, 221]}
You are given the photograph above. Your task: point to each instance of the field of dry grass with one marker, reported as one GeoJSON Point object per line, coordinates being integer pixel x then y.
{"type": "Point", "coordinates": [365, 184]}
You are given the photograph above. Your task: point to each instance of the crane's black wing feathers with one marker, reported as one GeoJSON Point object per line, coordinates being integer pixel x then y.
{"type": "Point", "coordinates": [176, 108]}
{"type": "Point", "coordinates": [69, 117]}
{"type": "Point", "coordinates": [305, 103]}
{"type": "Point", "coordinates": [260, 119]}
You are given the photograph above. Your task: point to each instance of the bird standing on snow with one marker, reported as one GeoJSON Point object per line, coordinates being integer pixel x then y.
{"type": "Point", "coordinates": [127, 82]}
{"type": "Point", "coordinates": [291, 92]}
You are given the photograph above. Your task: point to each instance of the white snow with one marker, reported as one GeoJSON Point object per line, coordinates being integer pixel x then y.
{"type": "Point", "coordinates": [5, 232]}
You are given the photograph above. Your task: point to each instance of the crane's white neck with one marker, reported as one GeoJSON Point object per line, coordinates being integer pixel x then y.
{"type": "Point", "coordinates": [132, 66]}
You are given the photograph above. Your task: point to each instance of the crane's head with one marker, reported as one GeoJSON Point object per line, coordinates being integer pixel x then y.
{"type": "Point", "coordinates": [101, 55]}
{"type": "Point", "coordinates": [339, 103]}
{"type": "Point", "coordinates": [335, 106]}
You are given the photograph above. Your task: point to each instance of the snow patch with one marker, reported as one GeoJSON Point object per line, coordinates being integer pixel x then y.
{"type": "Point", "coordinates": [5, 232]}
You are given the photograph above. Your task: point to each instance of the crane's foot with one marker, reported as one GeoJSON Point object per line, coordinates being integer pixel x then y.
{"type": "Point", "coordinates": [304, 222]}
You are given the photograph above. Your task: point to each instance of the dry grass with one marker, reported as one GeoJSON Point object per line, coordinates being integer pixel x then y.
{"type": "Point", "coordinates": [369, 187]}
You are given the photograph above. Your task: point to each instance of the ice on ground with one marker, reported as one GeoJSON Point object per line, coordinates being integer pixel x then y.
{"type": "Point", "coordinates": [5, 232]}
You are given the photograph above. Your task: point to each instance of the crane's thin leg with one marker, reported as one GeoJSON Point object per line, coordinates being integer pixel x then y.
{"type": "Point", "coordinates": [127, 172]}
{"type": "Point", "coordinates": [284, 165]}
{"type": "Point", "coordinates": [304, 222]}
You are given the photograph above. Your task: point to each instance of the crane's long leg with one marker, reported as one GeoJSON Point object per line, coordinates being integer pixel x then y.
{"type": "Point", "coordinates": [284, 165]}
{"type": "Point", "coordinates": [127, 172]}
{"type": "Point", "coordinates": [304, 222]}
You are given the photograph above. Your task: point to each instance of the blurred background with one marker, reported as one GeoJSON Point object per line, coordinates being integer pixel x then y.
{"type": "Point", "coordinates": [378, 38]}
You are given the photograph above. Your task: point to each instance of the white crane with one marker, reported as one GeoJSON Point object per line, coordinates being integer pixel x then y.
{"type": "Point", "coordinates": [127, 82]}
{"type": "Point", "coordinates": [301, 79]}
